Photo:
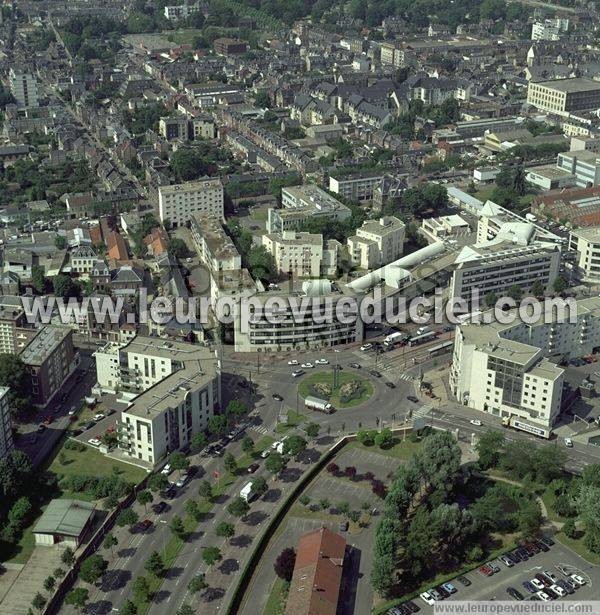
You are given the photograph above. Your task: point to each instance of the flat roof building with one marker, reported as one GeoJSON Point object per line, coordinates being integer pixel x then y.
{"type": "Point", "coordinates": [64, 522]}
{"type": "Point", "coordinates": [179, 202]}
{"type": "Point", "coordinates": [377, 242]}
{"type": "Point", "coordinates": [213, 245]}
{"type": "Point", "coordinates": [564, 96]}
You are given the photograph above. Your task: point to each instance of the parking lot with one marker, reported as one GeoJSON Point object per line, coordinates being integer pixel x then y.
{"type": "Point", "coordinates": [558, 560]}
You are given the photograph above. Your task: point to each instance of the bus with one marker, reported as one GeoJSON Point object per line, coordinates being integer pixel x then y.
{"type": "Point", "coordinates": [441, 348]}
{"type": "Point", "coordinates": [421, 339]}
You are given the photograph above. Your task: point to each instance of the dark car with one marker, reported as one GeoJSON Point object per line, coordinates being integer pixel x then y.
{"type": "Point", "coordinates": [90, 424]}
{"type": "Point", "coordinates": [442, 590]}
{"type": "Point", "coordinates": [169, 492]}
{"type": "Point", "coordinates": [412, 398]}
{"type": "Point", "coordinates": [355, 365]}
{"type": "Point", "coordinates": [277, 397]}
{"type": "Point", "coordinates": [412, 607]}
{"type": "Point", "coordinates": [531, 549]}
{"type": "Point", "coordinates": [523, 553]}
{"type": "Point", "coordinates": [530, 587]}
{"type": "Point", "coordinates": [41, 427]}
{"type": "Point", "coordinates": [513, 593]}
{"type": "Point", "coordinates": [159, 507]}
{"type": "Point", "coordinates": [252, 468]}
{"type": "Point", "coordinates": [547, 541]}
{"type": "Point", "coordinates": [553, 595]}
{"type": "Point", "coordinates": [192, 471]}
{"type": "Point", "coordinates": [463, 581]}
{"type": "Point", "coordinates": [540, 545]}
{"type": "Point", "coordinates": [516, 558]}
{"type": "Point", "coordinates": [566, 585]}
{"type": "Point", "coordinates": [390, 385]}
{"type": "Point", "coordinates": [375, 373]}
{"type": "Point", "coordinates": [145, 525]}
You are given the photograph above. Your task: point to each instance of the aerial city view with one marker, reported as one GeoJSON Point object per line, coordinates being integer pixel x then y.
{"type": "Point", "coordinates": [299, 307]}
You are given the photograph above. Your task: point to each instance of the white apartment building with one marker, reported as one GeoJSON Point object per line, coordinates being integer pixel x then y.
{"type": "Point", "coordinates": [584, 165]}
{"type": "Point", "coordinates": [6, 439]}
{"type": "Point", "coordinates": [299, 254]}
{"type": "Point", "coordinates": [179, 202]}
{"type": "Point", "coordinates": [213, 245]}
{"type": "Point", "coordinates": [182, 11]}
{"type": "Point", "coordinates": [173, 389]}
{"type": "Point", "coordinates": [586, 242]}
{"type": "Point", "coordinates": [499, 265]}
{"type": "Point", "coordinates": [445, 227]}
{"type": "Point", "coordinates": [23, 87]}
{"type": "Point", "coordinates": [377, 242]}
{"type": "Point", "coordinates": [549, 29]}
{"type": "Point", "coordinates": [355, 187]}
{"type": "Point", "coordinates": [83, 259]}
{"type": "Point", "coordinates": [504, 369]}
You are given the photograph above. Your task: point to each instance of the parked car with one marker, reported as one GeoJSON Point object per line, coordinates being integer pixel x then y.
{"type": "Point", "coordinates": [463, 581]}
{"type": "Point", "coordinates": [308, 365]}
{"type": "Point", "coordinates": [183, 479]}
{"type": "Point", "coordinates": [355, 365]}
{"type": "Point", "coordinates": [98, 417]}
{"type": "Point", "coordinates": [568, 443]}
{"type": "Point", "coordinates": [265, 453]}
{"type": "Point", "coordinates": [293, 362]}
{"type": "Point", "coordinates": [566, 585]}
{"type": "Point", "coordinates": [442, 591]}
{"type": "Point", "coordinates": [486, 571]}
{"type": "Point", "coordinates": [513, 593]}
{"type": "Point", "coordinates": [411, 606]}
{"type": "Point", "coordinates": [343, 525]}
{"type": "Point", "coordinates": [365, 347]}
{"type": "Point", "coordinates": [166, 470]}
{"type": "Point", "coordinates": [94, 442]}
{"type": "Point", "coordinates": [529, 587]}
{"type": "Point", "coordinates": [321, 362]}
{"type": "Point", "coordinates": [449, 587]}
{"type": "Point", "coordinates": [543, 579]}
{"type": "Point", "coordinates": [412, 398]}
{"type": "Point", "coordinates": [252, 468]}
{"type": "Point", "coordinates": [169, 492]}
{"type": "Point", "coordinates": [507, 561]}
{"type": "Point", "coordinates": [538, 584]}
{"type": "Point", "coordinates": [436, 594]}
{"type": "Point", "coordinates": [557, 589]}
{"type": "Point", "coordinates": [72, 410]}
{"type": "Point", "coordinates": [297, 372]}
{"type": "Point", "coordinates": [390, 385]}
{"type": "Point", "coordinates": [542, 546]}
{"type": "Point", "coordinates": [577, 579]}
{"type": "Point", "coordinates": [277, 397]}
{"type": "Point", "coordinates": [427, 598]}
{"type": "Point", "coordinates": [550, 575]}
{"type": "Point", "coordinates": [493, 566]}
{"type": "Point", "coordinates": [543, 596]}
{"type": "Point", "coordinates": [160, 507]}
{"type": "Point", "coordinates": [476, 422]}
{"type": "Point", "coordinates": [547, 541]}
{"type": "Point", "coordinates": [145, 525]}
{"type": "Point", "coordinates": [375, 373]}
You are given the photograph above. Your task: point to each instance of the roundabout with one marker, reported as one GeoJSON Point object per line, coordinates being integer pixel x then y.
{"type": "Point", "coordinates": [341, 389]}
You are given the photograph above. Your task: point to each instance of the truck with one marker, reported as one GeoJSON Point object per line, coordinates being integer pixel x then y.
{"type": "Point", "coordinates": [530, 217]}
{"type": "Point", "coordinates": [247, 492]}
{"type": "Point", "coordinates": [394, 338]}
{"type": "Point", "coordinates": [314, 403]}
{"type": "Point", "coordinates": [515, 422]}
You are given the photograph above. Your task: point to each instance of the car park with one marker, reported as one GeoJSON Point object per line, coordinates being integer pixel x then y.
{"type": "Point", "coordinates": [463, 581]}
{"type": "Point", "coordinates": [94, 442]}
{"type": "Point", "coordinates": [449, 587]}
{"type": "Point", "coordinates": [528, 585]}
{"type": "Point", "coordinates": [277, 397]}
{"type": "Point", "coordinates": [427, 598]}
{"type": "Point", "coordinates": [321, 362]}
{"type": "Point", "coordinates": [514, 593]}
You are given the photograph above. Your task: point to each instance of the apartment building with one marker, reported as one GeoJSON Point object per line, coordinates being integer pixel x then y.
{"type": "Point", "coordinates": [203, 127]}
{"type": "Point", "coordinates": [377, 242]}
{"type": "Point", "coordinates": [301, 203]}
{"type": "Point", "coordinates": [229, 46]}
{"type": "Point", "coordinates": [582, 165]}
{"type": "Point", "coordinates": [549, 29]}
{"type": "Point", "coordinates": [6, 439]}
{"type": "Point", "coordinates": [499, 265]}
{"type": "Point", "coordinates": [564, 96]}
{"type": "Point", "coordinates": [83, 259]}
{"type": "Point", "coordinates": [504, 369]}
{"type": "Point", "coordinates": [445, 227]}
{"type": "Point", "coordinates": [173, 127]}
{"type": "Point", "coordinates": [179, 202]}
{"type": "Point", "coordinates": [295, 253]}
{"type": "Point", "coordinates": [213, 245]}
{"type": "Point", "coordinates": [173, 389]}
{"type": "Point", "coordinates": [15, 333]}
{"type": "Point", "coordinates": [23, 87]}
{"type": "Point", "coordinates": [49, 358]}
{"type": "Point", "coordinates": [182, 11]}
{"type": "Point", "coordinates": [355, 187]}
{"type": "Point", "coordinates": [586, 243]}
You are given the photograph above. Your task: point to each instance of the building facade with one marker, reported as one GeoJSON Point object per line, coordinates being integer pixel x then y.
{"type": "Point", "coordinates": [583, 165]}
{"type": "Point", "coordinates": [6, 439]}
{"type": "Point", "coordinates": [213, 245]}
{"type": "Point", "coordinates": [179, 202]}
{"type": "Point", "coordinates": [563, 96]}
{"type": "Point", "coordinates": [295, 253]}
{"type": "Point", "coordinates": [586, 243]}
{"type": "Point", "coordinates": [23, 87]}
{"type": "Point", "coordinates": [377, 242]}
{"type": "Point", "coordinates": [355, 188]}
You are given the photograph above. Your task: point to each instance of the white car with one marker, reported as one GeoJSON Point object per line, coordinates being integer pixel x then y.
{"type": "Point", "coordinates": [557, 589]}
{"type": "Point", "coordinates": [72, 411]}
{"type": "Point", "coordinates": [543, 596]}
{"type": "Point", "coordinates": [476, 422]}
{"type": "Point", "coordinates": [182, 481]}
{"type": "Point", "coordinates": [366, 347]}
{"type": "Point", "coordinates": [297, 372]}
{"type": "Point", "coordinates": [427, 598]}
{"type": "Point", "coordinates": [321, 362]}
{"type": "Point", "coordinates": [98, 417]}
{"type": "Point", "coordinates": [537, 584]}
{"type": "Point", "coordinates": [94, 442]}
{"type": "Point", "coordinates": [265, 453]}
{"type": "Point", "coordinates": [307, 365]}
{"type": "Point", "coordinates": [293, 362]}
{"type": "Point", "coordinates": [568, 443]}
{"type": "Point", "coordinates": [166, 470]}
{"type": "Point", "coordinates": [578, 580]}
{"type": "Point", "coordinates": [551, 576]}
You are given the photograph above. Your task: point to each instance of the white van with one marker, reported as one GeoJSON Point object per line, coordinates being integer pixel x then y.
{"type": "Point", "coordinates": [568, 443]}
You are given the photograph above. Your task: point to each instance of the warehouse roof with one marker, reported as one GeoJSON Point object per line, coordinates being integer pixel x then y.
{"type": "Point", "coordinates": [65, 517]}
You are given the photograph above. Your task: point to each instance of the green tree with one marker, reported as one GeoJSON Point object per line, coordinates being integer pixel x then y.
{"type": "Point", "coordinates": [110, 541]}
{"type": "Point", "coordinates": [217, 425]}
{"type": "Point", "coordinates": [537, 289]}
{"type": "Point", "coordinates": [37, 278]}
{"type": "Point", "coordinates": [259, 486]}
{"type": "Point", "coordinates": [68, 557]}
{"type": "Point", "coordinates": [230, 463]}
{"type": "Point", "coordinates": [225, 530]}
{"type": "Point", "coordinates": [384, 438]}
{"type": "Point", "coordinates": [365, 437]}
{"type": "Point", "coordinates": [128, 608]}
{"type": "Point", "coordinates": [569, 528]}
{"type": "Point", "coordinates": [155, 564]}
{"type": "Point", "coordinates": [191, 508]}
{"type": "Point", "coordinates": [205, 490]}
{"type": "Point", "coordinates": [489, 446]}
{"type": "Point", "coordinates": [312, 430]}
{"type": "Point", "coordinates": [304, 500]}
{"type": "Point", "coordinates": [63, 286]}
{"type": "Point", "coordinates": [294, 445]}
{"type": "Point", "coordinates": [248, 445]}
{"type": "Point", "coordinates": [515, 292]}
{"type": "Point", "coordinates": [177, 247]}
{"type": "Point", "coordinates": [262, 100]}
{"type": "Point", "coordinates": [49, 583]}
{"type": "Point", "coordinates": [491, 298]}
{"type": "Point", "coordinates": [197, 584]}
{"type": "Point", "coordinates": [198, 442]}
{"type": "Point", "coordinates": [261, 263]}
{"type": "Point", "coordinates": [589, 509]}
{"type": "Point", "coordinates": [211, 555]}
{"type": "Point", "coordinates": [238, 507]}
{"type": "Point", "coordinates": [559, 285]}
{"type": "Point", "coordinates": [38, 602]}
{"type": "Point", "coordinates": [185, 609]}
{"type": "Point", "coordinates": [158, 482]}
{"type": "Point", "coordinates": [78, 598]}
{"type": "Point", "coordinates": [127, 516]}
{"type": "Point", "coordinates": [145, 497]}
{"type": "Point", "coordinates": [275, 463]}
{"type": "Point", "coordinates": [13, 374]}
{"type": "Point", "coordinates": [92, 568]}
{"type": "Point", "coordinates": [235, 410]}
{"type": "Point", "coordinates": [177, 527]}
{"type": "Point", "coordinates": [284, 564]}
{"type": "Point", "coordinates": [530, 518]}
{"type": "Point", "coordinates": [141, 589]}
{"type": "Point", "coordinates": [60, 242]}
{"type": "Point", "coordinates": [179, 461]}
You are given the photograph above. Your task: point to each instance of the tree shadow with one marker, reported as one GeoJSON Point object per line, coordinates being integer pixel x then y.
{"type": "Point", "coordinates": [350, 577]}
{"type": "Point", "coordinates": [254, 518]}
{"type": "Point", "coordinates": [213, 593]}
{"type": "Point", "coordinates": [272, 495]}
{"type": "Point", "coordinates": [127, 552]}
{"type": "Point", "coordinates": [173, 573]}
{"type": "Point", "coordinates": [309, 455]}
{"type": "Point", "coordinates": [161, 596]}
{"type": "Point", "coordinates": [290, 475]}
{"type": "Point", "coordinates": [114, 579]}
{"type": "Point", "coordinates": [229, 566]}
{"type": "Point", "coordinates": [242, 541]}
{"type": "Point", "coordinates": [102, 607]}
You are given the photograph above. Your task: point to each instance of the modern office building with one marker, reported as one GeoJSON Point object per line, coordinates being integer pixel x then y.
{"type": "Point", "coordinates": [179, 202]}
{"type": "Point", "coordinates": [213, 245]}
{"type": "Point", "coordinates": [583, 165]}
{"type": "Point", "coordinates": [564, 96]}
{"type": "Point", "coordinates": [23, 87]}
{"type": "Point", "coordinates": [499, 265]}
{"type": "Point", "coordinates": [173, 389]}
{"type": "Point", "coordinates": [377, 242]}
{"type": "Point", "coordinates": [586, 243]}
{"type": "Point", "coordinates": [6, 439]}
{"type": "Point", "coordinates": [301, 203]}
{"type": "Point", "coordinates": [49, 358]}
{"type": "Point", "coordinates": [358, 187]}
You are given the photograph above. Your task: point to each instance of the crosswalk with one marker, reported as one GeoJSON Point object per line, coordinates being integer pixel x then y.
{"type": "Point", "coordinates": [422, 411]}
{"type": "Point", "coordinates": [260, 429]}
{"type": "Point", "coordinates": [406, 377]}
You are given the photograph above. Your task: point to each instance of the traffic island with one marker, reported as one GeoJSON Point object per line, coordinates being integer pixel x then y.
{"type": "Point", "coordinates": [341, 390]}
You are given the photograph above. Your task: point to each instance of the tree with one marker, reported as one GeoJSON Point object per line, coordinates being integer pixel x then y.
{"type": "Point", "coordinates": [155, 564]}
{"type": "Point", "coordinates": [13, 374]}
{"type": "Point", "coordinates": [294, 445]}
{"type": "Point", "coordinates": [68, 557]}
{"type": "Point", "coordinates": [177, 248]}
{"type": "Point", "coordinates": [197, 584]}
{"type": "Point", "coordinates": [384, 438]}
{"type": "Point", "coordinates": [515, 292]}
{"type": "Point", "coordinates": [177, 527]}
{"type": "Point", "coordinates": [144, 497]}
{"type": "Point", "coordinates": [530, 518]}
{"type": "Point", "coordinates": [49, 583]}
{"type": "Point", "coordinates": [304, 500]}
{"type": "Point", "coordinates": [261, 263]}
{"type": "Point", "coordinates": [275, 463]}
{"type": "Point", "coordinates": [559, 285]}
{"type": "Point", "coordinates": [127, 516]}
{"type": "Point", "coordinates": [259, 486]}
{"type": "Point", "coordinates": [128, 608]}
{"type": "Point", "coordinates": [488, 447]}
{"type": "Point", "coordinates": [589, 509]}
{"type": "Point", "coordinates": [217, 425]}
{"type": "Point", "coordinates": [198, 442]}
{"type": "Point", "coordinates": [312, 430]}
{"type": "Point", "coordinates": [63, 286]}
{"type": "Point", "coordinates": [491, 299]}
{"type": "Point", "coordinates": [344, 508]}
{"type": "Point", "coordinates": [205, 490]}
{"type": "Point", "coordinates": [284, 564]}
{"type": "Point", "coordinates": [158, 482]}
{"type": "Point", "coordinates": [569, 528]}
{"type": "Point", "coordinates": [110, 541]}
{"type": "Point", "coordinates": [141, 589]}
{"type": "Point", "coordinates": [37, 278]}
{"type": "Point", "coordinates": [186, 609]}
{"type": "Point", "coordinates": [333, 468]}
{"type": "Point", "coordinates": [235, 410]}
{"type": "Point", "coordinates": [78, 597]}
{"type": "Point", "coordinates": [92, 568]}
{"type": "Point", "coordinates": [191, 508]}
{"type": "Point", "coordinates": [60, 242]}
{"type": "Point", "coordinates": [230, 463]}
{"type": "Point", "coordinates": [225, 530]}
{"type": "Point", "coordinates": [248, 445]}
{"type": "Point", "coordinates": [38, 602]}
{"type": "Point", "coordinates": [537, 289]}
{"type": "Point", "coordinates": [211, 555]}
{"type": "Point", "coordinates": [188, 164]}
{"type": "Point", "coordinates": [262, 100]}
{"type": "Point", "coordinates": [179, 461]}
{"type": "Point", "coordinates": [238, 507]}
{"type": "Point", "coordinates": [19, 510]}
{"type": "Point", "coordinates": [366, 437]}
{"type": "Point", "coordinates": [58, 573]}
{"type": "Point", "coordinates": [324, 503]}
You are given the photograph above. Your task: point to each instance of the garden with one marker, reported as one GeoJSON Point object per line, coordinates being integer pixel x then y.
{"type": "Point", "coordinates": [349, 390]}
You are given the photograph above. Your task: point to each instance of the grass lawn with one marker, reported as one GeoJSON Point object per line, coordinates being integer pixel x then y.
{"type": "Point", "coordinates": [258, 214]}
{"type": "Point", "coordinates": [184, 36]}
{"type": "Point", "coordinates": [277, 598]}
{"type": "Point", "coordinates": [400, 450]}
{"type": "Point", "coordinates": [305, 388]}
{"type": "Point", "coordinates": [485, 193]}
{"type": "Point", "coordinates": [577, 545]}
{"type": "Point", "coordinates": [294, 419]}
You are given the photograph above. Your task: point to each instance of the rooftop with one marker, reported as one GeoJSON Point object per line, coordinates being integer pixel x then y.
{"type": "Point", "coordinates": [48, 339]}
{"type": "Point", "coordinates": [65, 517]}
{"type": "Point", "coordinates": [199, 184]}
{"type": "Point", "coordinates": [575, 84]}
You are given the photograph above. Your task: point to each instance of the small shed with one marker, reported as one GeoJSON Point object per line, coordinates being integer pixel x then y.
{"type": "Point", "coordinates": [65, 522]}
